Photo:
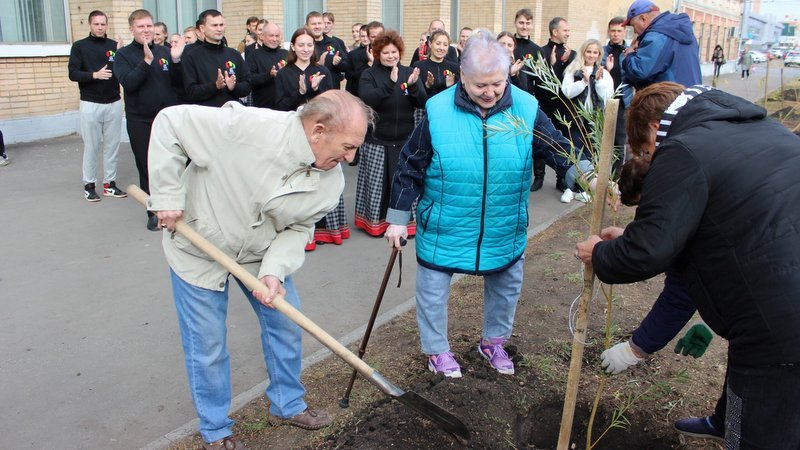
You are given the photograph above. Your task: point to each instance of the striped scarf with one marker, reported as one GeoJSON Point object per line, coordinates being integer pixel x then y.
{"type": "Point", "coordinates": [674, 107]}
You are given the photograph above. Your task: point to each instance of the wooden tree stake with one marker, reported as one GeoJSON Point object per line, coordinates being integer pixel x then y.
{"type": "Point", "coordinates": [598, 207]}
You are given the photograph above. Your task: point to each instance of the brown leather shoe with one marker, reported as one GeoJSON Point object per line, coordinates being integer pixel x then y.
{"type": "Point", "coordinates": [228, 443]}
{"type": "Point", "coordinates": [310, 419]}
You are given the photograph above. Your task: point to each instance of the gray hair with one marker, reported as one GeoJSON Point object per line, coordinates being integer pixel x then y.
{"type": "Point", "coordinates": [484, 55]}
{"type": "Point", "coordinates": [335, 108]}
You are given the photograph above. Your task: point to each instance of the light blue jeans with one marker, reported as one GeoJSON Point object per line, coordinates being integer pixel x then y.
{"type": "Point", "coordinates": [201, 317]}
{"type": "Point", "coordinates": [500, 294]}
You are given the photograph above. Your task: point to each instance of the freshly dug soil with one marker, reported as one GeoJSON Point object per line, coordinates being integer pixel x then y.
{"type": "Point", "coordinates": [511, 411]}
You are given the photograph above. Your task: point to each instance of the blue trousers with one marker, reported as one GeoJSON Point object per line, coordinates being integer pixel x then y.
{"type": "Point", "coordinates": [500, 294]}
{"type": "Point", "coordinates": [201, 317]}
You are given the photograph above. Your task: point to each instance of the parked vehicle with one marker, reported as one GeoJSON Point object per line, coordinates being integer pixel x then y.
{"type": "Point", "coordinates": [792, 58]}
{"type": "Point", "coordinates": [776, 53]}
{"type": "Point", "coordinates": [758, 57]}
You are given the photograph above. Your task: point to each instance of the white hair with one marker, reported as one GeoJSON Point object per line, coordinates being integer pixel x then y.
{"type": "Point", "coordinates": [484, 55]}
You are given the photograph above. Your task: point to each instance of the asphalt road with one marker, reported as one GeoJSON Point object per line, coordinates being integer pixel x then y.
{"type": "Point", "coordinates": [90, 354]}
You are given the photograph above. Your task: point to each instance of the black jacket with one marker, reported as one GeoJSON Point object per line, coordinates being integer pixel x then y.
{"type": "Point", "coordinates": [87, 56]}
{"type": "Point", "coordinates": [261, 60]}
{"type": "Point", "coordinates": [721, 204]}
{"type": "Point", "coordinates": [148, 88]}
{"type": "Point", "coordinates": [550, 102]}
{"type": "Point", "coordinates": [439, 71]}
{"type": "Point", "coordinates": [525, 49]}
{"type": "Point", "coordinates": [330, 47]}
{"type": "Point", "coordinates": [287, 86]}
{"type": "Point", "coordinates": [200, 67]}
{"type": "Point", "coordinates": [357, 64]}
{"type": "Point", "coordinates": [394, 102]}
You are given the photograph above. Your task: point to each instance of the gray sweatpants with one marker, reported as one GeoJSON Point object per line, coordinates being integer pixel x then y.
{"type": "Point", "coordinates": [101, 124]}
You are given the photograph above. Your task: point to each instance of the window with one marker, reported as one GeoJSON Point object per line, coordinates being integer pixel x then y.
{"type": "Point", "coordinates": [33, 21]}
{"type": "Point", "coordinates": [294, 14]}
{"type": "Point", "coordinates": [178, 14]}
{"type": "Point", "coordinates": [392, 15]}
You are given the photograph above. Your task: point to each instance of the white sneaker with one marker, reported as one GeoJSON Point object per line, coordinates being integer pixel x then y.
{"type": "Point", "coordinates": [583, 197]}
{"type": "Point", "coordinates": [4, 161]}
{"type": "Point", "coordinates": [567, 196]}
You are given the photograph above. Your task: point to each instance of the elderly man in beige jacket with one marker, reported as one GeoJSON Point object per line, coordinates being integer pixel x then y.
{"type": "Point", "coordinates": [258, 182]}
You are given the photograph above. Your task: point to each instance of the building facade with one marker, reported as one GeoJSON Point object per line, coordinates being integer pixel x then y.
{"type": "Point", "coordinates": [37, 100]}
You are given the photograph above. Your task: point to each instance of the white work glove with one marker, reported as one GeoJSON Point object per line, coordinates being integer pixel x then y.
{"type": "Point", "coordinates": [619, 358]}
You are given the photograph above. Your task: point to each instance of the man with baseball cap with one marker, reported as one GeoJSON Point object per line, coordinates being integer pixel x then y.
{"type": "Point", "coordinates": [665, 48]}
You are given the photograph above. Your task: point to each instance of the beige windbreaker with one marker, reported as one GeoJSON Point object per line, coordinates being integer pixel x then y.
{"type": "Point", "coordinates": [250, 189]}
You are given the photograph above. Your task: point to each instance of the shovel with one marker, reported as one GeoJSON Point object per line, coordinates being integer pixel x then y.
{"type": "Point", "coordinates": [345, 401]}
{"type": "Point", "coordinates": [424, 407]}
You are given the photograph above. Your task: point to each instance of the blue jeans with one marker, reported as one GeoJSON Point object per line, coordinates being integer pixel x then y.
{"type": "Point", "coordinates": [500, 294]}
{"type": "Point", "coordinates": [201, 317]}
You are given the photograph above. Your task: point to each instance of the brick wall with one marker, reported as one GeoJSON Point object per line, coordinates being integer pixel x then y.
{"type": "Point", "coordinates": [481, 14]}
{"type": "Point", "coordinates": [36, 87]}
{"type": "Point", "coordinates": [348, 12]}
{"type": "Point", "coordinates": [417, 16]}
{"type": "Point", "coordinates": [236, 13]}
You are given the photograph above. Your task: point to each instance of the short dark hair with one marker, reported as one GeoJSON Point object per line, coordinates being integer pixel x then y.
{"type": "Point", "coordinates": [251, 19]}
{"type": "Point", "coordinates": [329, 15]}
{"type": "Point", "coordinates": [363, 28]}
{"type": "Point", "coordinates": [387, 38]}
{"type": "Point", "coordinates": [161, 24]}
{"type": "Point", "coordinates": [554, 23]}
{"type": "Point", "coordinates": [465, 28]}
{"type": "Point", "coordinates": [374, 24]}
{"type": "Point", "coordinates": [524, 12]}
{"type": "Point", "coordinates": [96, 13]}
{"type": "Point", "coordinates": [313, 14]}
{"type": "Point", "coordinates": [619, 20]}
{"type": "Point", "coordinates": [201, 19]}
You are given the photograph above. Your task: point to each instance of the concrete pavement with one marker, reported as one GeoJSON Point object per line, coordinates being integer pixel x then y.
{"type": "Point", "coordinates": [90, 354]}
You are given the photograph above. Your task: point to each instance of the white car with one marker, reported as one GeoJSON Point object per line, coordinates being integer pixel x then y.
{"type": "Point", "coordinates": [758, 57]}
{"type": "Point", "coordinates": [776, 53]}
{"type": "Point", "coordinates": [792, 58]}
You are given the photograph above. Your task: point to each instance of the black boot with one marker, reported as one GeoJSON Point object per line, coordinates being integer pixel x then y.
{"type": "Point", "coordinates": [560, 185]}
{"type": "Point", "coordinates": [538, 174]}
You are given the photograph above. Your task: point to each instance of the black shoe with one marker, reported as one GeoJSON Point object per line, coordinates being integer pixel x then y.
{"type": "Point", "coordinates": [110, 189]}
{"type": "Point", "coordinates": [90, 193]}
{"type": "Point", "coordinates": [538, 182]}
{"type": "Point", "coordinates": [560, 185]}
{"type": "Point", "coordinates": [700, 427]}
{"type": "Point", "coordinates": [152, 223]}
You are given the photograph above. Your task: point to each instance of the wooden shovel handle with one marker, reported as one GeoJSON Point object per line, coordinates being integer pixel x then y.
{"type": "Point", "coordinates": [254, 284]}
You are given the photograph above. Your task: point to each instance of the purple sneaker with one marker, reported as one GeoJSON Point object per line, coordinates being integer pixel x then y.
{"type": "Point", "coordinates": [497, 356]}
{"type": "Point", "coordinates": [444, 363]}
